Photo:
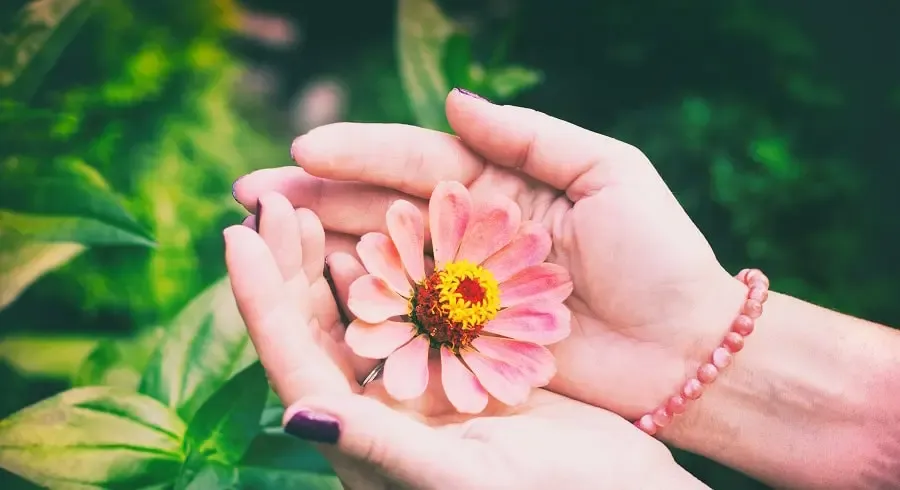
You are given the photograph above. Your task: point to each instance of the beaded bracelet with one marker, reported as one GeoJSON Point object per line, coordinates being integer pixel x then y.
{"type": "Point", "coordinates": [721, 357]}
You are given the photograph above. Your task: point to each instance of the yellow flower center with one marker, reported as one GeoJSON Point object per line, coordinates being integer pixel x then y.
{"type": "Point", "coordinates": [452, 305]}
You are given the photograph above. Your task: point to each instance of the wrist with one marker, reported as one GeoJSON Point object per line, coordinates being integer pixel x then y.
{"type": "Point", "coordinates": [807, 403]}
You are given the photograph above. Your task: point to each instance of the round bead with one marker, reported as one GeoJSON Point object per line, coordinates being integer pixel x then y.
{"type": "Point", "coordinates": [707, 373]}
{"type": "Point", "coordinates": [721, 358]}
{"type": "Point", "coordinates": [752, 308]}
{"type": "Point", "coordinates": [646, 424]}
{"type": "Point", "coordinates": [676, 405]}
{"type": "Point", "coordinates": [733, 341]}
{"type": "Point", "coordinates": [756, 275]}
{"type": "Point", "coordinates": [661, 417]}
{"type": "Point", "coordinates": [743, 325]}
{"type": "Point", "coordinates": [758, 293]}
{"type": "Point", "coordinates": [692, 389]}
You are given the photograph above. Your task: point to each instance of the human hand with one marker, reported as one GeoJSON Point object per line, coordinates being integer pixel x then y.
{"type": "Point", "coordinates": [650, 301]}
{"type": "Point", "coordinates": [294, 319]}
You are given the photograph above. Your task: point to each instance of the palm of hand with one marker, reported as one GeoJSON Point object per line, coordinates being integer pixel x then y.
{"type": "Point", "coordinates": [293, 316]}
{"type": "Point", "coordinates": [639, 266]}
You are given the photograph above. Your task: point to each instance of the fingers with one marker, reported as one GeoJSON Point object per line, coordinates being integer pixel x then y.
{"type": "Point", "coordinates": [397, 445]}
{"type": "Point", "coordinates": [278, 318]}
{"type": "Point", "coordinates": [354, 208]}
{"type": "Point", "coordinates": [409, 159]}
{"type": "Point", "coordinates": [345, 269]}
{"type": "Point", "coordinates": [550, 150]}
{"type": "Point", "coordinates": [313, 241]}
{"type": "Point", "coordinates": [280, 229]}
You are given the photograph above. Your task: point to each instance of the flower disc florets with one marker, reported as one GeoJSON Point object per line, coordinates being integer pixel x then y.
{"type": "Point", "coordinates": [452, 305]}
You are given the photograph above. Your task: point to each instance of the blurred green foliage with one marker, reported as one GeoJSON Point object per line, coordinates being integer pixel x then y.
{"type": "Point", "coordinates": [123, 123]}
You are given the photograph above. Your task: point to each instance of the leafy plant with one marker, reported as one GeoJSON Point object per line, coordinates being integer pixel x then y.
{"type": "Point", "coordinates": [435, 55]}
{"type": "Point", "coordinates": [207, 395]}
{"type": "Point", "coordinates": [185, 404]}
{"type": "Point", "coordinates": [49, 211]}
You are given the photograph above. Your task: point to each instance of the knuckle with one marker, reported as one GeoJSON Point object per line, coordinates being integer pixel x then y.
{"type": "Point", "coordinates": [374, 451]}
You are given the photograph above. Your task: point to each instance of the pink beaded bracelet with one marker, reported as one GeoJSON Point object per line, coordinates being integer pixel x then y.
{"type": "Point", "coordinates": [721, 357]}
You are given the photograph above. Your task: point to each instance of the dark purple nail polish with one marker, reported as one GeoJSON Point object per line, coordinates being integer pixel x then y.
{"type": "Point", "coordinates": [471, 94]}
{"type": "Point", "coordinates": [259, 211]}
{"type": "Point", "coordinates": [314, 427]}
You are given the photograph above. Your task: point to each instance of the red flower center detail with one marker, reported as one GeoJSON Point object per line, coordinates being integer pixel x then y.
{"type": "Point", "coordinates": [470, 290]}
{"type": "Point", "coordinates": [452, 305]}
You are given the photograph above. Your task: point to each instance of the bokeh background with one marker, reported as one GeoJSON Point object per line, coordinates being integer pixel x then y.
{"type": "Point", "coordinates": [124, 122]}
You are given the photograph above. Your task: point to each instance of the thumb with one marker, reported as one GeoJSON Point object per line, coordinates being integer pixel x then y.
{"type": "Point", "coordinates": [553, 151]}
{"type": "Point", "coordinates": [406, 450]}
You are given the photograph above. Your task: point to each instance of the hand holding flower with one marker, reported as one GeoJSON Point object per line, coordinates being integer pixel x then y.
{"type": "Point", "coordinates": [375, 441]}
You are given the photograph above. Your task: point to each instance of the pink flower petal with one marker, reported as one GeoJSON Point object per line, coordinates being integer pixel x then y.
{"type": "Point", "coordinates": [494, 223]}
{"type": "Point", "coordinates": [461, 386]}
{"type": "Point", "coordinates": [380, 257]}
{"type": "Point", "coordinates": [531, 246]}
{"type": "Point", "coordinates": [379, 340]}
{"type": "Point", "coordinates": [449, 211]}
{"type": "Point", "coordinates": [406, 370]}
{"type": "Point", "coordinates": [505, 382]}
{"type": "Point", "coordinates": [373, 301]}
{"type": "Point", "coordinates": [407, 229]}
{"type": "Point", "coordinates": [542, 323]}
{"type": "Point", "coordinates": [543, 282]}
{"type": "Point", "coordinates": [534, 361]}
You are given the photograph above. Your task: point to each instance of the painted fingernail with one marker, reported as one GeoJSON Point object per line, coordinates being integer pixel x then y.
{"type": "Point", "coordinates": [471, 94]}
{"type": "Point", "coordinates": [314, 427]}
{"type": "Point", "coordinates": [249, 222]}
{"type": "Point", "coordinates": [234, 187]}
{"type": "Point", "coordinates": [259, 211]}
{"type": "Point", "coordinates": [294, 151]}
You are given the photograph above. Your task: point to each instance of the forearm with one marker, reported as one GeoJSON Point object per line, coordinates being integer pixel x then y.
{"type": "Point", "coordinates": [812, 401]}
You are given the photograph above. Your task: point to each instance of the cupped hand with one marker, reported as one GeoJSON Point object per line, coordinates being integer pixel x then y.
{"type": "Point", "coordinates": [294, 318]}
{"type": "Point", "coordinates": [651, 301]}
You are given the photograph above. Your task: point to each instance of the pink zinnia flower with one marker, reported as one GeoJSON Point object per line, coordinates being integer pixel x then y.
{"type": "Point", "coordinates": [490, 305]}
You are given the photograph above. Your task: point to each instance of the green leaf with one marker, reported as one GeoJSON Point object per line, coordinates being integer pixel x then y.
{"type": "Point", "coordinates": [507, 82]}
{"type": "Point", "coordinates": [457, 59]}
{"type": "Point", "coordinates": [95, 437]}
{"type": "Point", "coordinates": [275, 461]}
{"type": "Point", "coordinates": [422, 33]}
{"type": "Point", "coordinates": [22, 262]}
{"type": "Point", "coordinates": [252, 477]}
{"type": "Point", "coordinates": [223, 477]}
{"type": "Point", "coordinates": [43, 28]}
{"type": "Point", "coordinates": [46, 356]}
{"type": "Point", "coordinates": [203, 348]}
{"type": "Point", "coordinates": [274, 450]}
{"type": "Point", "coordinates": [273, 412]}
{"type": "Point", "coordinates": [119, 363]}
{"type": "Point", "coordinates": [64, 201]}
{"type": "Point", "coordinates": [227, 423]}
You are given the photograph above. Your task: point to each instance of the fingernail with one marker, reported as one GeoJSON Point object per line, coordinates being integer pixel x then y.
{"type": "Point", "coordinates": [314, 427]}
{"type": "Point", "coordinates": [294, 151]}
{"type": "Point", "coordinates": [259, 211]}
{"type": "Point", "coordinates": [471, 94]}
{"type": "Point", "coordinates": [249, 222]}
{"type": "Point", "coordinates": [234, 187]}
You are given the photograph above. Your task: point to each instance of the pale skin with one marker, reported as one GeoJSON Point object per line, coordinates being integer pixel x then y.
{"type": "Point", "coordinates": [812, 400]}
{"type": "Point", "coordinates": [277, 277]}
